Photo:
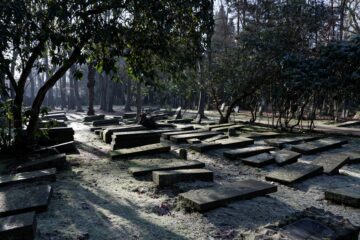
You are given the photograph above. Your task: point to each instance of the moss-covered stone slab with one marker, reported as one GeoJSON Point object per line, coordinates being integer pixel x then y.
{"type": "Point", "coordinates": [247, 152]}
{"type": "Point", "coordinates": [209, 198]}
{"type": "Point", "coordinates": [173, 165]}
{"type": "Point", "coordinates": [39, 175]}
{"type": "Point", "coordinates": [167, 135]}
{"type": "Point", "coordinates": [57, 161]}
{"type": "Point", "coordinates": [108, 132]}
{"type": "Point", "coordinates": [94, 118]}
{"type": "Point", "coordinates": [283, 157]}
{"type": "Point", "coordinates": [295, 172]}
{"type": "Point", "coordinates": [170, 177]}
{"type": "Point", "coordinates": [16, 201]}
{"type": "Point", "coordinates": [331, 162]}
{"type": "Point", "coordinates": [138, 151]}
{"type": "Point", "coordinates": [259, 160]}
{"type": "Point", "coordinates": [200, 135]}
{"type": "Point", "coordinates": [105, 122]}
{"type": "Point", "coordinates": [18, 227]}
{"type": "Point", "coordinates": [317, 146]}
{"type": "Point", "coordinates": [348, 196]}
{"type": "Point", "coordinates": [280, 142]}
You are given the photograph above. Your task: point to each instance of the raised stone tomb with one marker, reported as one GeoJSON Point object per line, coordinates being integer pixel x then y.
{"type": "Point", "coordinates": [57, 161]}
{"type": "Point", "coordinates": [18, 227]}
{"type": "Point", "coordinates": [16, 201]}
{"type": "Point", "coordinates": [283, 157]}
{"type": "Point", "coordinates": [348, 196]}
{"type": "Point", "coordinates": [331, 162]}
{"type": "Point", "coordinates": [295, 172]}
{"type": "Point", "coordinates": [319, 145]}
{"type": "Point", "coordinates": [247, 152]}
{"type": "Point", "coordinates": [39, 175]}
{"type": "Point", "coordinates": [56, 135]}
{"type": "Point", "coordinates": [209, 198]}
{"type": "Point", "coordinates": [167, 135]}
{"type": "Point", "coordinates": [259, 160]}
{"type": "Point", "coordinates": [200, 135]}
{"type": "Point", "coordinates": [105, 122]}
{"type": "Point", "coordinates": [108, 132]}
{"type": "Point", "coordinates": [94, 118]}
{"type": "Point", "coordinates": [170, 177]}
{"type": "Point", "coordinates": [138, 151]}
{"type": "Point", "coordinates": [222, 143]}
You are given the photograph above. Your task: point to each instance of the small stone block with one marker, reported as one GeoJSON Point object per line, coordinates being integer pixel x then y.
{"type": "Point", "coordinates": [259, 160]}
{"type": "Point", "coordinates": [348, 196]}
{"type": "Point", "coordinates": [166, 178]}
{"type": "Point", "coordinates": [18, 227]}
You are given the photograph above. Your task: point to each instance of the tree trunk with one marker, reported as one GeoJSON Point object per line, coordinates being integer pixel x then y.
{"type": "Point", "coordinates": [111, 94]}
{"type": "Point", "coordinates": [138, 101]}
{"type": "Point", "coordinates": [91, 85]}
{"type": "Point", "coordinates": [32, 87]}
{"type": "Point", "coordinates": [128, 95]}
{"type": "Point", "coordinates": [103, 88]}
{"type": "Point", "coordinates": [63, 92]}
{"type": "Point", "coordinates": [12, 69]}
{"type": "Point", "coordinates": [201, 105]}
{"type": "Point", "coordinates": [77, 96]}
{"type": "Point", "coordinates": [72, 89]}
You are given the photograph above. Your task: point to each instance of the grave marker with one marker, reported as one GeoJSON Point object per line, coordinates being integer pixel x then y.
{"type": "Point", "coordinates": [331, 162]}
{"type": "Point", "coordinates": [105, 122]}
{"type": "Point", "coordinates": [283, 157]}
{"type": "Point", "coordinates": [318, 146]}
{"type": "Point", "coordinates": [39, 175]}
{"type": "Point", "coordinates": [108, 132]}
{"type": "Point", "coordinates": [170, 177]}
{"type": "Point", "coordinates": [94, 118]}
{"type": "Point", "coordinates": [280, 142]}
{"type": "Point", "coordinates": [200, 135]}
{"type": "Point", "coordinates": [18, 227]}
{"type": "Point", "coordinates": [138, 151]}
{"type": "Point", "coordinates": [349, 196]}
{"type": "Point", "coordinates": [259, 160]}
{"type": "Point", "coordinates": [57, 161]}
{"type": "Point", "coordinates": [247, 152]}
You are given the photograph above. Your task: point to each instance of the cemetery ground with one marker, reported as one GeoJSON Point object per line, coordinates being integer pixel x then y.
{"type": "Point", "coordinates": [97, 198]}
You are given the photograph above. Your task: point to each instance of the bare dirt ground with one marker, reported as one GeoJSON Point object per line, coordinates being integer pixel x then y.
{"type": "Point", "coordinates": [97, 199]}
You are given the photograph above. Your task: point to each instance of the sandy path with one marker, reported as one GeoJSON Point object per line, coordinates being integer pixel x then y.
{"type": "Point", "coordinates": [98, 199]}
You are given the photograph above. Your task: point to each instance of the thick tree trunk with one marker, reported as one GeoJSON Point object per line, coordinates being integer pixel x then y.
{"type": "Point", "coordinates": [103, 88]}
{"type": "Point", "coordinates": [77, 96]}
{"type": "Point", "coordinates": [138, 101]}
{"type": "Point", "coordinates": [12, 69]}
{"type": "Point", "coordinates": [72, 89]}
{"type": "Point", "coordinates": [32, 87]}
{"type": "Point", "coordinates": [91, 86]}
{"type": "Point", "coordinates": [128, 95]}
{"type": "Point", "coordinates": [111, 94]}
{"type": "Point", "coordinates": [63, 92]}
{"type": "Point", "coordinates": [201, 105]}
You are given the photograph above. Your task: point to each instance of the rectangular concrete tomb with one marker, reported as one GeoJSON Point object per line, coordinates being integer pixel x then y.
{"type": "Point", "coordinates": [170, 177]}
{"type": "Point", "coordinates": [56, 135]}
{"type": "Point", "coordinates": [57, 161]}
{"type": "Point", "coordinates": [108, 132]}
{"type": "Point", "coordinates": [178, 164]}
{"type": "Point", "coordinates": [319, 145]}
{"type": "Point", "coordinates": [200, 135]}
{"type": "Point", "coordinates": [348, 196]}
{"type": "Point", "coordinates": [142, 150]}
{"type": "Point", "coordinates": [39, 175]}
{"type": "Point", "coordinates": [294, 173]}
{"type": "Point", "coordinates": [209, 198]}
{"type": "Point", "coordinates": [105, 122]}
{"type": "Point", "coordinates": [331, 162]}
{"type": "Point", "coordinates": [283, 157]}
{"type": "Point", "coordinates": [18, 227]}
{"type": "Point", "coordinates": [94, 118]}
{"type": "Point", "coordinates": [259, 160]}
{"type": "Point", "coordinates": [280, 142]}
{"type": "Point", "coordinates": [16, 201]}
{"type": "Point", "coordinates": [247, 152]}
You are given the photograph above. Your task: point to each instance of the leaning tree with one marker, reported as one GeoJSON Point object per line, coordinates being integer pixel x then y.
{"type": "Point", "coordinates": [164, 34]}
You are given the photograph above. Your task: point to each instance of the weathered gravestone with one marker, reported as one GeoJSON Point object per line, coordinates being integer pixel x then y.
{"type": "Point", "coordinates": [331, 162]}
{"type": "Point", "coordinates": [66, 147]}
{"type": "Point", "coordinates": [174, 165]}
{"type": "Point", "coordinates": [247, 152]}
{"type": "Point", "coordinates": [16, 201]}
{"type": "Point", "coordinates": [348, 196]}
{"type": "Point", "coordinates": [18, 227]}
{"type": "Point", "coordinates": [200, 135]}
{"type": "Point", "coordinates": [26, 177]}
{"type": "Point", "coordinates": [209, 198]}
{"type": "Point", "coordinates": [167, 135]}
{"type": "Point", "coordinates": [211, 127]}
{"type": "Point", "coordinates": [222, 143]}
{"type": "Point", "coordinates": [280, 142]}
{"type": "Point", "coordinates": [283, 157]}
{"type": "Point", "coordinates": [57, 161]}
{"type": "Point", "coordinates": [227, 128]}
{"type": "Point", "coordinates": [108, 132]}
{"type": "Point", "coordinates": [217, 137]}
{"type": "Point", "coordinates": [105, 122]}
{"type": "Point", "coordinates": [56, 135]}
{"type": "Point", "coordinates": [183, 120]}
{"type": "Point", "coordinates": [170, 177]}
{"type": "Point", "coordinates": [294, 173]}
{"type": "Point", "coordinates": [318, 146]}
{"type": "Point", "coordinates": [94, 118]}
{"type": "Point", "coordinates": [138, 151]}
{"type": "Point", "coordinates": [261, 135]}
{"type": "Point", "coordinates": [259, 160]}
{"type": "Point", "coordinates": [128, 115]}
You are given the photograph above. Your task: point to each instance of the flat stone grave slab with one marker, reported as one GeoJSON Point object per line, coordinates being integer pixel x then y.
{"type": "Point", "coordinates": [295, 172]}
{"type": "Point", "coordinates": [209, 198]}
{"type": "Point", "coordinates": [25, 177]}
{"type": "Point", "coordinates": [312, 224]}
{"type": "Point", "coordinates": [170, 177]}
{"type": "Point", "coordinates": [247, 152]}
{"type": "Point", "coordinates": [331, 162]}
{"type": "Point", "coordinates": [138, 151]}
{"type": "Point", "coordinates": [351, 171]}
{"type": "Point", "coordinates": [57, 161]}
{"type": "Point", "coordinates": [354, 157]}
{"type": "Point", "coordinates": [193, 141]}
{"type": "Point", "coordinates": [56, 135]}
{"type": "Point", "coordinates": [261, 135]}
{"type": "Point", "coordinates": [128, 115]}
{"type": "Point", "coordinates": [16, 201]}
{"type": "Point", "coordinates": [18, 227]}
{"type": "Point", "coordinates": [283, 157]}
{"type": "Point", "coordinates": [200, 135]}
{"type": "Point", "coordinates": [66, 147]}
{"type": "Point", "coordinates": [94, 118]}
{"type": "Point", "coordinates": [348, 196]}
{"type": "Point", "coordinates": [146, 168]}
{"type": "Point", "coordinates": [280, 142]}
{"type": "Point", "coordinates": [204, 147]}
{"type": "Point", "coordinates": [184, 120]}
{"type": "Point", "coordinates": [219, 125]}
{"type": "Point", "coordinates": [319, 145]}
{"type": "Point", "coordinates": [222, 143]}
{"type": "Point", "coordinates": [105, 122]}
{"type": "Point", "coordinates": [59, 116]}
{"type": "Point", "coordinates": [167, 135]}
{"type": "Point", "coordinates": [217, 137]}
{"type": "Point", "coordinates": [225, 129]}
{"type": "Point", "coordinates": [93, 129]}
{"type": "Point", "coordinates": [108, 132]}
{"type": "Point", "coordinates": [259, 160]}
{"type": "Point", "coordinates": [184, 127]}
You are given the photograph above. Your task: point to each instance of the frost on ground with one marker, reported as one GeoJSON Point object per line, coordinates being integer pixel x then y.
{"type": "Point", "coordinates": [98, 199]}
